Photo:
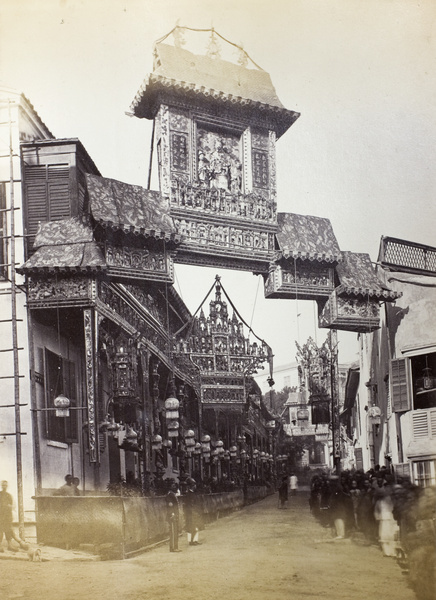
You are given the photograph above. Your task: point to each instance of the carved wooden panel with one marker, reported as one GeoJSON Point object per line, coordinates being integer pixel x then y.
{"type": "Point", "coordinates": [349, 313]}
{"type": "Point", "coordinates": [90, 381]}
{"type": "Point", "coordinates": [139, 263]}
{"type": "Point", "coordinates": [69, 291]}
{"type": "Point", "coordinates": [304, 280]}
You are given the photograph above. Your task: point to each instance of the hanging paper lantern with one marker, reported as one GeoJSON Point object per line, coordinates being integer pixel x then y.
{"type": "Point", "coordinates": [172, 408]}
{"type": "Point", "coordinates": [173, 428]}
{"type": "Point", "coordinates": [156, 442]}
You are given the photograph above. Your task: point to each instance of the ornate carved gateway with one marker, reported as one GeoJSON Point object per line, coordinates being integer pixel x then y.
{"type": "Point", "coordinates": [216, 130]}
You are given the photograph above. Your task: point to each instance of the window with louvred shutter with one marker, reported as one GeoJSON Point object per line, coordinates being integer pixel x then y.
{"type": "Point", "coordinates": [401, 400]}
{"type": "Point", "coordinates": [47, 192]}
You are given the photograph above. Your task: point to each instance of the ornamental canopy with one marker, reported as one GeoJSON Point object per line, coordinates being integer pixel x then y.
{"type": "Point", "coordinates": [130, 208]}
{"type": "Point", "coordinates": [307, 237]}
{"type": "Point", "coordinates": [223, 352]}
{"type": "Point", "coordinates": [65, 245]}
{"type": "Point", "coordinates": [185, 74]}
{"type": "Point", "coordinates": [357, 277]}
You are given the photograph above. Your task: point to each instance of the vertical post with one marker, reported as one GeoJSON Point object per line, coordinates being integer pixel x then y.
{"type": "Point", "coordinates": [15, 350]}
{"type": "Point", "coordinates": [88, 322]}
{"type": "Point", "coordinates": [144, 357]}
{"type": "Point", "coordinates": [336, 430]}
{"type": "Point", "coordinates": [35, 422]}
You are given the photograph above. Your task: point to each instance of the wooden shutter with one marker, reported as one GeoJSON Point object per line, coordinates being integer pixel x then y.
{"type": "Point", "coordinates": [58, 192]}
{"type": "Point", "coordinates": [36, 199]}
{"type": "Point", "coordinates": [402, 470]}
{"type": "Point", "coordinates": [400, 386]}
{"type": "Point", "coordinates": [358, 456]}
{"type": "Point", "coordinates": [47, 196]}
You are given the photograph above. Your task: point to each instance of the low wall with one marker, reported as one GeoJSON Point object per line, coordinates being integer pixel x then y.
{"type": "Point", "coordinates": [257, 492]}
{"type": "Point", "coordinates": [125, 524]}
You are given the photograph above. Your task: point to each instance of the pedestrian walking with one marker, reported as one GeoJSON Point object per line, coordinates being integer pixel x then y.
{"type": "Point", "coordinates": [283, 493]}
{"type": "Point", "coordinates": [192, 513]}
{"type": "Point", "coordinates": [293, 482]}
{"type": "Point", "coordinates": [172, 502]}
{"type": "Point", "coordinates": [6, 529]}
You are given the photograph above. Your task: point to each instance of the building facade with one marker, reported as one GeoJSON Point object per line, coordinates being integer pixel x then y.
{"type": "Point", "coordinates": [391, 395]}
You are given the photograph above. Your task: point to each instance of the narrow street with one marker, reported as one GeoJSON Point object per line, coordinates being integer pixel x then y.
{"type": "Point", "coordinates": [257, 553]}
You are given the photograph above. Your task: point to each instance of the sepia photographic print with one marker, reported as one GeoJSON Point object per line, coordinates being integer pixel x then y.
{"type": "Point", "coordinates": [217, 299]}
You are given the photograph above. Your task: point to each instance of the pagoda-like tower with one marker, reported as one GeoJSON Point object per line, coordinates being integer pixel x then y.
{"type": "Point", "coordinates": [216, 126]}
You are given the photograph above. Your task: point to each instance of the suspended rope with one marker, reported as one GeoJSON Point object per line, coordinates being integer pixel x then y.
{"type": "Point", "coordinates": [255, 300]}
{"type": "Point", "coordinates": [191, 322]}
{"type": "Point", "coordinates": [211, 30]}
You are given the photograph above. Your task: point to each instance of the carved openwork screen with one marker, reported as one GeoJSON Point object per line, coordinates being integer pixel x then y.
{"type": "Point", "coordinates": [223, 353]}
{"type": "Point", "coordinates": [352, 313]}
{"type": "Point", "coordinates": [219, 176]}
{"type": "Point", "coordinates": [299, 279]}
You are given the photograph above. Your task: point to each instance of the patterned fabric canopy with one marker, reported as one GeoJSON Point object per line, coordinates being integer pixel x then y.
{"type": "Point", "coordinates": [307, 238]}
{"type": "Point", "coordinates": [130, 208]}
{"type": "Point", "coordinates": [180, 70]}
{"type": "Point", "coordinates": [67, 244]}
{"type": "Point", "coordinates": [357, 277]}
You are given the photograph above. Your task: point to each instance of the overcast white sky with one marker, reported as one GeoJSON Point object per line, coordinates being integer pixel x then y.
{"type": "Point", "coordinates": [361, 72]}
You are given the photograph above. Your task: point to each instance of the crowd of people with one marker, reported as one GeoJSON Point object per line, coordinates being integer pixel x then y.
{"type": "Point", "coordinates": [388, 510]}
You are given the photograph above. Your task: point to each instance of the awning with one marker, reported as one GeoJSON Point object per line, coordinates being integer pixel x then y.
{"type": "Point", "coordinates": [357, 277]}
{"type": "Point", "coordinates": [130, 208]}
{"type": "Point", "coordinates": [307, 238]}
{"type": "Point", "coordinates": [64, 245]}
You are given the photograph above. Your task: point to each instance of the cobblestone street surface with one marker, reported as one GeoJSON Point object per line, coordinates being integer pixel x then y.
{"type": "Point", "coordinates": [259, 553]}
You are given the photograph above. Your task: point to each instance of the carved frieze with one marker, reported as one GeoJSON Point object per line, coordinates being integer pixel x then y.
{"type": "Point", "coordinates": [213, 395]}
{"type": "Point", "coordinates": [307, 281]}
{"type": "Point", "coordinates": [129, 261]}
{"type": "Point", "coordinates": [350, 313]}
{"type": "Point", "coordinates": [73, 290]}
{"type": "Point", "coordinates": [255, 206]}
{"type": "Point", "coordinates": [236, 239]}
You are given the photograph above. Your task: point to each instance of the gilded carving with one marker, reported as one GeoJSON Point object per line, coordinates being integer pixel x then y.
{"type": "Point", "coordinates": [62, 289]}
{"type": "Point", "coordinates": [272, 165]}
{"type": "Point", "coordinates": [254, 205]}
{"type": "Point", "coordinates": [179, 121]}
{"type": "Point", "coordinates": [232, 238]}
{"type": "Point", "coordinates": [164, 145]}
{"type": "Point", "coordinates": [127, 313]}
{"type": "Point", "coordinates": [135, 258]}
{"type": "Point", "coordinates": [90, 383]}
{"type": "Point", "coordinates": [305, 276]}
{"type": "Point", "coordinates": [218, 160]}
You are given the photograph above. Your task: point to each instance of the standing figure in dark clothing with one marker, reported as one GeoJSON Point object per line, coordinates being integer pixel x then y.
{"type": "Point", "coordinates": [283, 492]}
{"type": "Point", "coordinates": [192, 513]}
{"type": "Point", "coordinates": [6, 506]}
{"type": "Point", "coordinates": [172, 501]}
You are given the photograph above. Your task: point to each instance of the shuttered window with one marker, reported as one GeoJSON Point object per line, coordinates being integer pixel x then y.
{"type": "Point", "coordinates": [420, 425]}
{"type": "Point", "coordinates": [47, 189]}
{"type": "Point", "coordinates": [358, 455]}
{"type": "Point", "coordinates": [402, 470]}
{"type": "Point", "coordinates": [401, 401]}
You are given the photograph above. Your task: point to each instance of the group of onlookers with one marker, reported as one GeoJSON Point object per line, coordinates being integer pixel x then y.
{"type": "Point", "coordinates": [387, 510]}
